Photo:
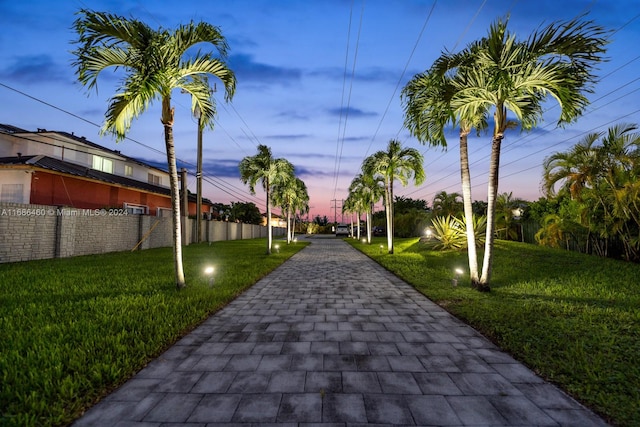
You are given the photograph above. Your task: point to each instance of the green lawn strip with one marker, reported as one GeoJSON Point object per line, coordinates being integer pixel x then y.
{"type": "Point", "coordinates": [73, 329]}
{"type": "Point", "coordinates": [572, 318]}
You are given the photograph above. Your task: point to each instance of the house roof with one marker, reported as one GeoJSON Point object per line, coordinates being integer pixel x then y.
{"type": "Point", "coordinates": [61, 166]}
{"type": "Point", "coordinates": [16, 132]}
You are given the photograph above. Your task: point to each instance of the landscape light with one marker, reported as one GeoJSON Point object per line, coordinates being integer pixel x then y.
{"type": "Point", "coordinates": [457, 273]}
{"type": "Point", "coordinates": [277, 248]}
{"type": "Point", "coordinates": [428, 233]}
{"type": "Point", "coordinates": [208, 271]}
{"type": "Point", "coordinates": [364, 241]}
{"type": "Point", "coordinates": [380, 251]}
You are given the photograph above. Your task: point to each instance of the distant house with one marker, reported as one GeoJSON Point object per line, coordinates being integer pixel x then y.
{"type": "Point", "coordinates": [276, 220]}
{"type": "Point", "coordinates": [61, 169]}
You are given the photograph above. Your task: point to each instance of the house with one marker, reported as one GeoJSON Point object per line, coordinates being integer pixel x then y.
{"type": "Point", "coordinates": [61, 169]}
{"type": "Point", "coordinates": [276, 220]}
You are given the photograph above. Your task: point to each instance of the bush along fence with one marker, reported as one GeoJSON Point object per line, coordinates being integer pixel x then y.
{"type": "Point", "coordinates": [31, 232]}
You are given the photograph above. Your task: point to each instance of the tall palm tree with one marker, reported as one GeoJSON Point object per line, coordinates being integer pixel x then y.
{"type": "Point", "coordinates": [369, 189]}
{"type": "Point", "coordinates": [518, 76]}
{"type": "Point", "coordinates": [394, 163]}
{"type": "Point", "coordinates": [504, 74]}
{"type": "Point", "coordinates": [292, 196]}
{"type": "Point", "coordinates": [271, 173]}
{"type": "Point", "coordinates": [155, 63]}
{"type": "Point", "coordinates": [354, 204]}
{"type": "Point", "coordinates": [427, 106]}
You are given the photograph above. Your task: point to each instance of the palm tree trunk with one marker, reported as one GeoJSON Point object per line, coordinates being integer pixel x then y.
{"type": "Point", "coordinates": [465, 178]}
{"type": "Point", "coordinates": [389, 209]}
{"type": "Point", "coordinates": [492, 193]}
{"type": "Point", "coordinates": [269, 236]}
{"type": "Point", "coordinates": [369, 218]}
{"type": "Point", "coordinates": [289, 226]}
{"type": "Point", "coordinates": [175, 204]}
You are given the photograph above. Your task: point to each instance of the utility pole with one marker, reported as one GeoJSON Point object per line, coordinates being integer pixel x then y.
{"type": "Point", "coordinates": [185, 204]}
{"type": "Point", "coordinates": [335, 209]}
{"type": "Point", "coordinates": [198, 115]}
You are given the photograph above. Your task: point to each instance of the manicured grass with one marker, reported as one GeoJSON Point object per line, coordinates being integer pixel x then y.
{"type": "Point", "coordinates": [73, 329]}
{"type": "Point", "coordinates": [572, 318]}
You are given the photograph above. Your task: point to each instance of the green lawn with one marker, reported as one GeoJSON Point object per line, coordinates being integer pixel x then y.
{"type": "Point", "coordinates": [572, 318]}
{"type": "Point", "coordinates": [73, 329]}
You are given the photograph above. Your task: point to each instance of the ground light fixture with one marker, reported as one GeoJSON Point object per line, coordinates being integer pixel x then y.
{"type": "Point", "coordinates": [208, 271]}
{"type": "Point", "coordinates": [456, 276]}
{"type": "Point", "coordinates": [364, 241]}
{"type": "Point", "coordinates": [428, 233]}
{"type": "Point", "coordinates": [277, 248]}
{"type": "Point", "coordinates": [380, 251]}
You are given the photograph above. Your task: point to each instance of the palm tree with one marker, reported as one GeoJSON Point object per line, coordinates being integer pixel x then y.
{"type": "Point", "coordinates": [427, 105]}
{"type": "Point", "coordinates": [577, 168]}
{"type": "Point", "coordinates": [354, 204]}
{"type": "Point", "coordinates": [601, 173]}
{"type": "Point", "coordinates": [369, 189]}
{"type": "Point", "coordinates": [394, 163]}
{"type": "Point", "coordinates": [155, 63]}
{"type": "Point", "coordinates": [508, 211]}
{"type": "Point", "coordinates": [509, 75]}
{"type": "Point", "coordinates": [447, 204]}
{"type": "Point", "coordinates": [271, 173]}
{"type": "Point", "coordinates": [292, 196]}
{"type": "Point", "coordinates": [518, 76]}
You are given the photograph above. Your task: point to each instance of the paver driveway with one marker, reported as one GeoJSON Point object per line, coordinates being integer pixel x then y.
{"type": "Point", "coordinates": [332, 338]}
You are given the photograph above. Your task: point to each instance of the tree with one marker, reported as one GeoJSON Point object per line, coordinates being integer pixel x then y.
{"type": "Point", "coordinates": [447, 204]}
{"type": "Point", "coordinates": [368, 189]}
{"type": "Point", "coordinates": [427, 100]}
{"type": "Point", "coordinates": [508, 213]}
{"type": "Point", "coordinates": [407, 204]}
{"type": "Point", "coordinates": [601, 173]}
{"type": "Point", "coordinates": [502, 74]}
{"type": "Point", "coordinates": [394, 163]}
{"type": "Point", "coordinates": [245, 212]}
{"type": "Point", "coordinates": [292, 196]}
{"type": "Point", "coordinates": [271, 173]}
{"type": "Point", "coordinates": [155, 63]}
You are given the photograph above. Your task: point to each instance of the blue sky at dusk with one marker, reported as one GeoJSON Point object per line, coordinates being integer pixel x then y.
{"type": "Point", "coordinates": [319, 82]}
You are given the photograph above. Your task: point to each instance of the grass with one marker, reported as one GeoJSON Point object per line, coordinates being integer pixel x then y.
{"type": "Point", "coordinates": [73, 329]}
{"type": "Point", "coordinates": [572, 318]}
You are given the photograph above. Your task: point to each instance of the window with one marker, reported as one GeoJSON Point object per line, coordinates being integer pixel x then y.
{"type": "Point", "coordinates": [102, 164]}
{"type": "Point", "coordinates": [136, 209]}
{"type": "Point", "coordinates": [154, 179]}
{"type": "Point", "coordinates": [12, 193]}
{"type": "Point", "coordinates": [128, 170]}
{"type": "Point", "coordinates": [164, 212]}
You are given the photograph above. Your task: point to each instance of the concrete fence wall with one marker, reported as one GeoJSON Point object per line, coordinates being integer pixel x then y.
{"type": "Point", "coordinates": [29, 232]}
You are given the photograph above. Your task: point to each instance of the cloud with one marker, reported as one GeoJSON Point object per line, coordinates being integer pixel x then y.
{"type": "Point", "coordinates": [246, 69]}
{"type": "Point", "coordinates": [225, 168]}
{"type": "Point", "coordinates": [368, 74]}
{"type": "Point", "coordinates": [32, 69]}
{"type": "Point", "coordinates": [352, 112]}
{"type": "Point", "coordinates": [288, 137]}
{"type": "Point", "coordinates": [292, 115]}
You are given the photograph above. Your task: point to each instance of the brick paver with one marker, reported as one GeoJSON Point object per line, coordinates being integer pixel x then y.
{"type": "Point", "coordinates": [331, 338]}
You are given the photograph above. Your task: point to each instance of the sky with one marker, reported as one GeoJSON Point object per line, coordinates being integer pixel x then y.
{"type": "Point", "coordinates": [318, 81]}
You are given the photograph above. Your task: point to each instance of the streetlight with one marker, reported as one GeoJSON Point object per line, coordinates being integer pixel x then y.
{"type": "Point", "coordinates": [457, 273]}
{"type": "Point", "coordinates": [208, 271]}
